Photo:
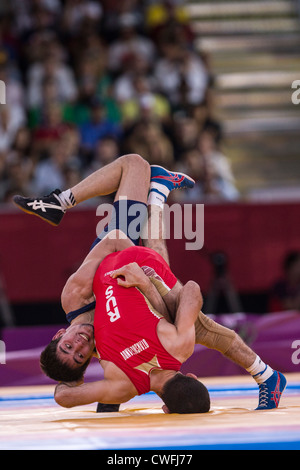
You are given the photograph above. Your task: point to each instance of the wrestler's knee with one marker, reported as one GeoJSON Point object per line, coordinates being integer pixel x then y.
{"type": "Point", "coordinates": [134, 160]}
{"type": "Point", "coordinates": [213, 335]}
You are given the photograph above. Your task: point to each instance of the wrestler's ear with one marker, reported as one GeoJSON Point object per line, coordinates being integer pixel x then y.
{"type": "Point", "coordinates": [193, 376]}
{"type": "Point", "coordinates": [59, 334]}
{"type": "Point", "coordinates": [165, 409]}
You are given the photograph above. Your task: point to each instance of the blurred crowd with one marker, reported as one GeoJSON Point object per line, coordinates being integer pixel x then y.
{"type": "Point", "coordinates": [90, 80]}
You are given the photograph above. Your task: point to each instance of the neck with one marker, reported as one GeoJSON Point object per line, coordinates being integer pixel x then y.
{"type": "Point", "coordinates": [158, 379]}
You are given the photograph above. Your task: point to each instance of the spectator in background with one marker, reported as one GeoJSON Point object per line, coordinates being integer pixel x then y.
{"type": "Point", "coordinates": [76, 12]}
{"type": "Point", "coordinates": [71, 175]}
{"type": "Point", "coordinates": [168, 15]}
{"type": "Point", "coordinates": [202, 114]}
{"type": "Point", "coordinates": [217, 163]}
{"type": "Point", "coordinates": [22, 142]}
{"type": "Point", "coordinates": [129, 43]}
{"type": "Point", "coordinates": [105, 152]}
{"type": "Point", "coordinates": [52, 68]}
{"type": "Point", "coordinates": [124, 88]}
{"type": "Point", "coordinates": [285, 293]}
{"type": "Point", "coordinates": [18, 177]}
{"type": "Point", "coordinates": [113, 9]}
{"type": "Point", "coordinates": [96, 127]}
{"type": "Point", "coordinates": [34, 18]}
{"type": "Point", "coordinates": [144, 104]}
{"type": "Point", "coordinates": [181, 74]}
{"type": "Point", "coordinates": [11, 119]}
{"type": "Point", "coordinates": [149, 139]}
{"type": "Point", "coordinates": [49, 96]}
{"type": "Point", "coordinates": [51, 172]}
{"type": "Point", "coordinates": [193, 163]}
{"type": "Point", "coordinates": [50, 130]}
{"type": "Point", "coordinates": [17, 166]}
{"type": "Point", "coordinates": [209, 167]}
{"type": "Point", "coordinates": [94, 82]}
{"type": "Point", "coordinates": [185, 133]}
{"type": "Point", "coordinates": [9, 40]}
{"type": "Point", "coordinates": [71, 142]}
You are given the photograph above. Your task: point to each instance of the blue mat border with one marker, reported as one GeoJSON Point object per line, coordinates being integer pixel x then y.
{"type": "Point", "coordinates": [213, 390]}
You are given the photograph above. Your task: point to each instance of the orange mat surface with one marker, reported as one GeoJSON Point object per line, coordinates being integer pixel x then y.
{"type": "Point", "coordinates": [30, 419]}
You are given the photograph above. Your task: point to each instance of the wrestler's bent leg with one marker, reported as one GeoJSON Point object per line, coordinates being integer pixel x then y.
{"type": "Point", "coordinates": [226, 341]}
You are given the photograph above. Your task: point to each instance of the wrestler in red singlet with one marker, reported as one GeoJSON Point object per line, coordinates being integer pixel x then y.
{"type": "Point", "coordinates": [125, 323]}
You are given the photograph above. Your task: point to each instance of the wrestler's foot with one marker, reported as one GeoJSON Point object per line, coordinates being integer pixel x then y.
{"type": "Point", "coordinates": [270, 391]}
{"type": "Point", "coordinates": [163, 181]}
{"type": "Point", "coordinates": [170, 179]}
{"type": "Point", "coordinates": [47, 208]}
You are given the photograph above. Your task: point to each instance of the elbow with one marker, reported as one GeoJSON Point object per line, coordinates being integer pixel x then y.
{"type": "Point", "coordinates": [62, 398]}
{"type": "Point", "coordinates": [60, 401]}
{"type": "Point", "coordinates": [195, 293]}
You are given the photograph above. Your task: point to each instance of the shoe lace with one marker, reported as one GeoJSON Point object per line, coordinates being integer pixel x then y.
{"type": "Point", "coordinates": [263, 394]}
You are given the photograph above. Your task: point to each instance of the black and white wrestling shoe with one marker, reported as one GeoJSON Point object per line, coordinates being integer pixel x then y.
{"type": "Point", "coordinates": [48, 208]}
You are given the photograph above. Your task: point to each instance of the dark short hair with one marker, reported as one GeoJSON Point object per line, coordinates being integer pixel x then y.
{"type": "Point", "coordinates": [183, 394]}
{"type": "Point", "coordinates": [56, 369]}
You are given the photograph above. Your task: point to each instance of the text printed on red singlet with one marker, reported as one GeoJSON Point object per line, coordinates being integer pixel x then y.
{"type": "Point", "coordinates": [111, 305]}
{"type": "Point", "coordinates": [134, 349]}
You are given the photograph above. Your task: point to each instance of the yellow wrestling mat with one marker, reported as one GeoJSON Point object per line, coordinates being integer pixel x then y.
{"type": "Point", "coordinates": [31, 420]}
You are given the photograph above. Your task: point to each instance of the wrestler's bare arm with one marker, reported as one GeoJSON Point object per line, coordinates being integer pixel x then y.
{"type": "Point", "coordinates": [104, 391]}
{"type": "Point", "coordinates": [78, 290]}
{"type": "Point", "coordinates": [114, 388]}
{"type": "Point", "coordinates": [134, 276]}
{"type": "Point", "coordinates": [179, 339]}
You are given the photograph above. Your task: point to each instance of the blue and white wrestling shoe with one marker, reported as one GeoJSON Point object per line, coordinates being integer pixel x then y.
{"type": "Point", "coordinates": [270, 391]}
{"type": "Point", "coordinates": [171, 179]}
{"type": "Point", "coordinates": [163, 181]}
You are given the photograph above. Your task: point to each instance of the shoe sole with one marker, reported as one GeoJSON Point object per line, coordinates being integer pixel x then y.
{"type": "Point", "coordinates": [33, 213]}
{"type": "Point", "coordinates": [177, 173]}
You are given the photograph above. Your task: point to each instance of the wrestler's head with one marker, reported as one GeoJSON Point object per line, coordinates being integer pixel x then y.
{"type": "Point", "coordinates": [67, 356]}
{"type": "Point", "coordinates": [185, 394]}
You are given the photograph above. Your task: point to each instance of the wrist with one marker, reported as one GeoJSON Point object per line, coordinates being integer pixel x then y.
{"type": "Point", "coordinates": [144, 283]}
